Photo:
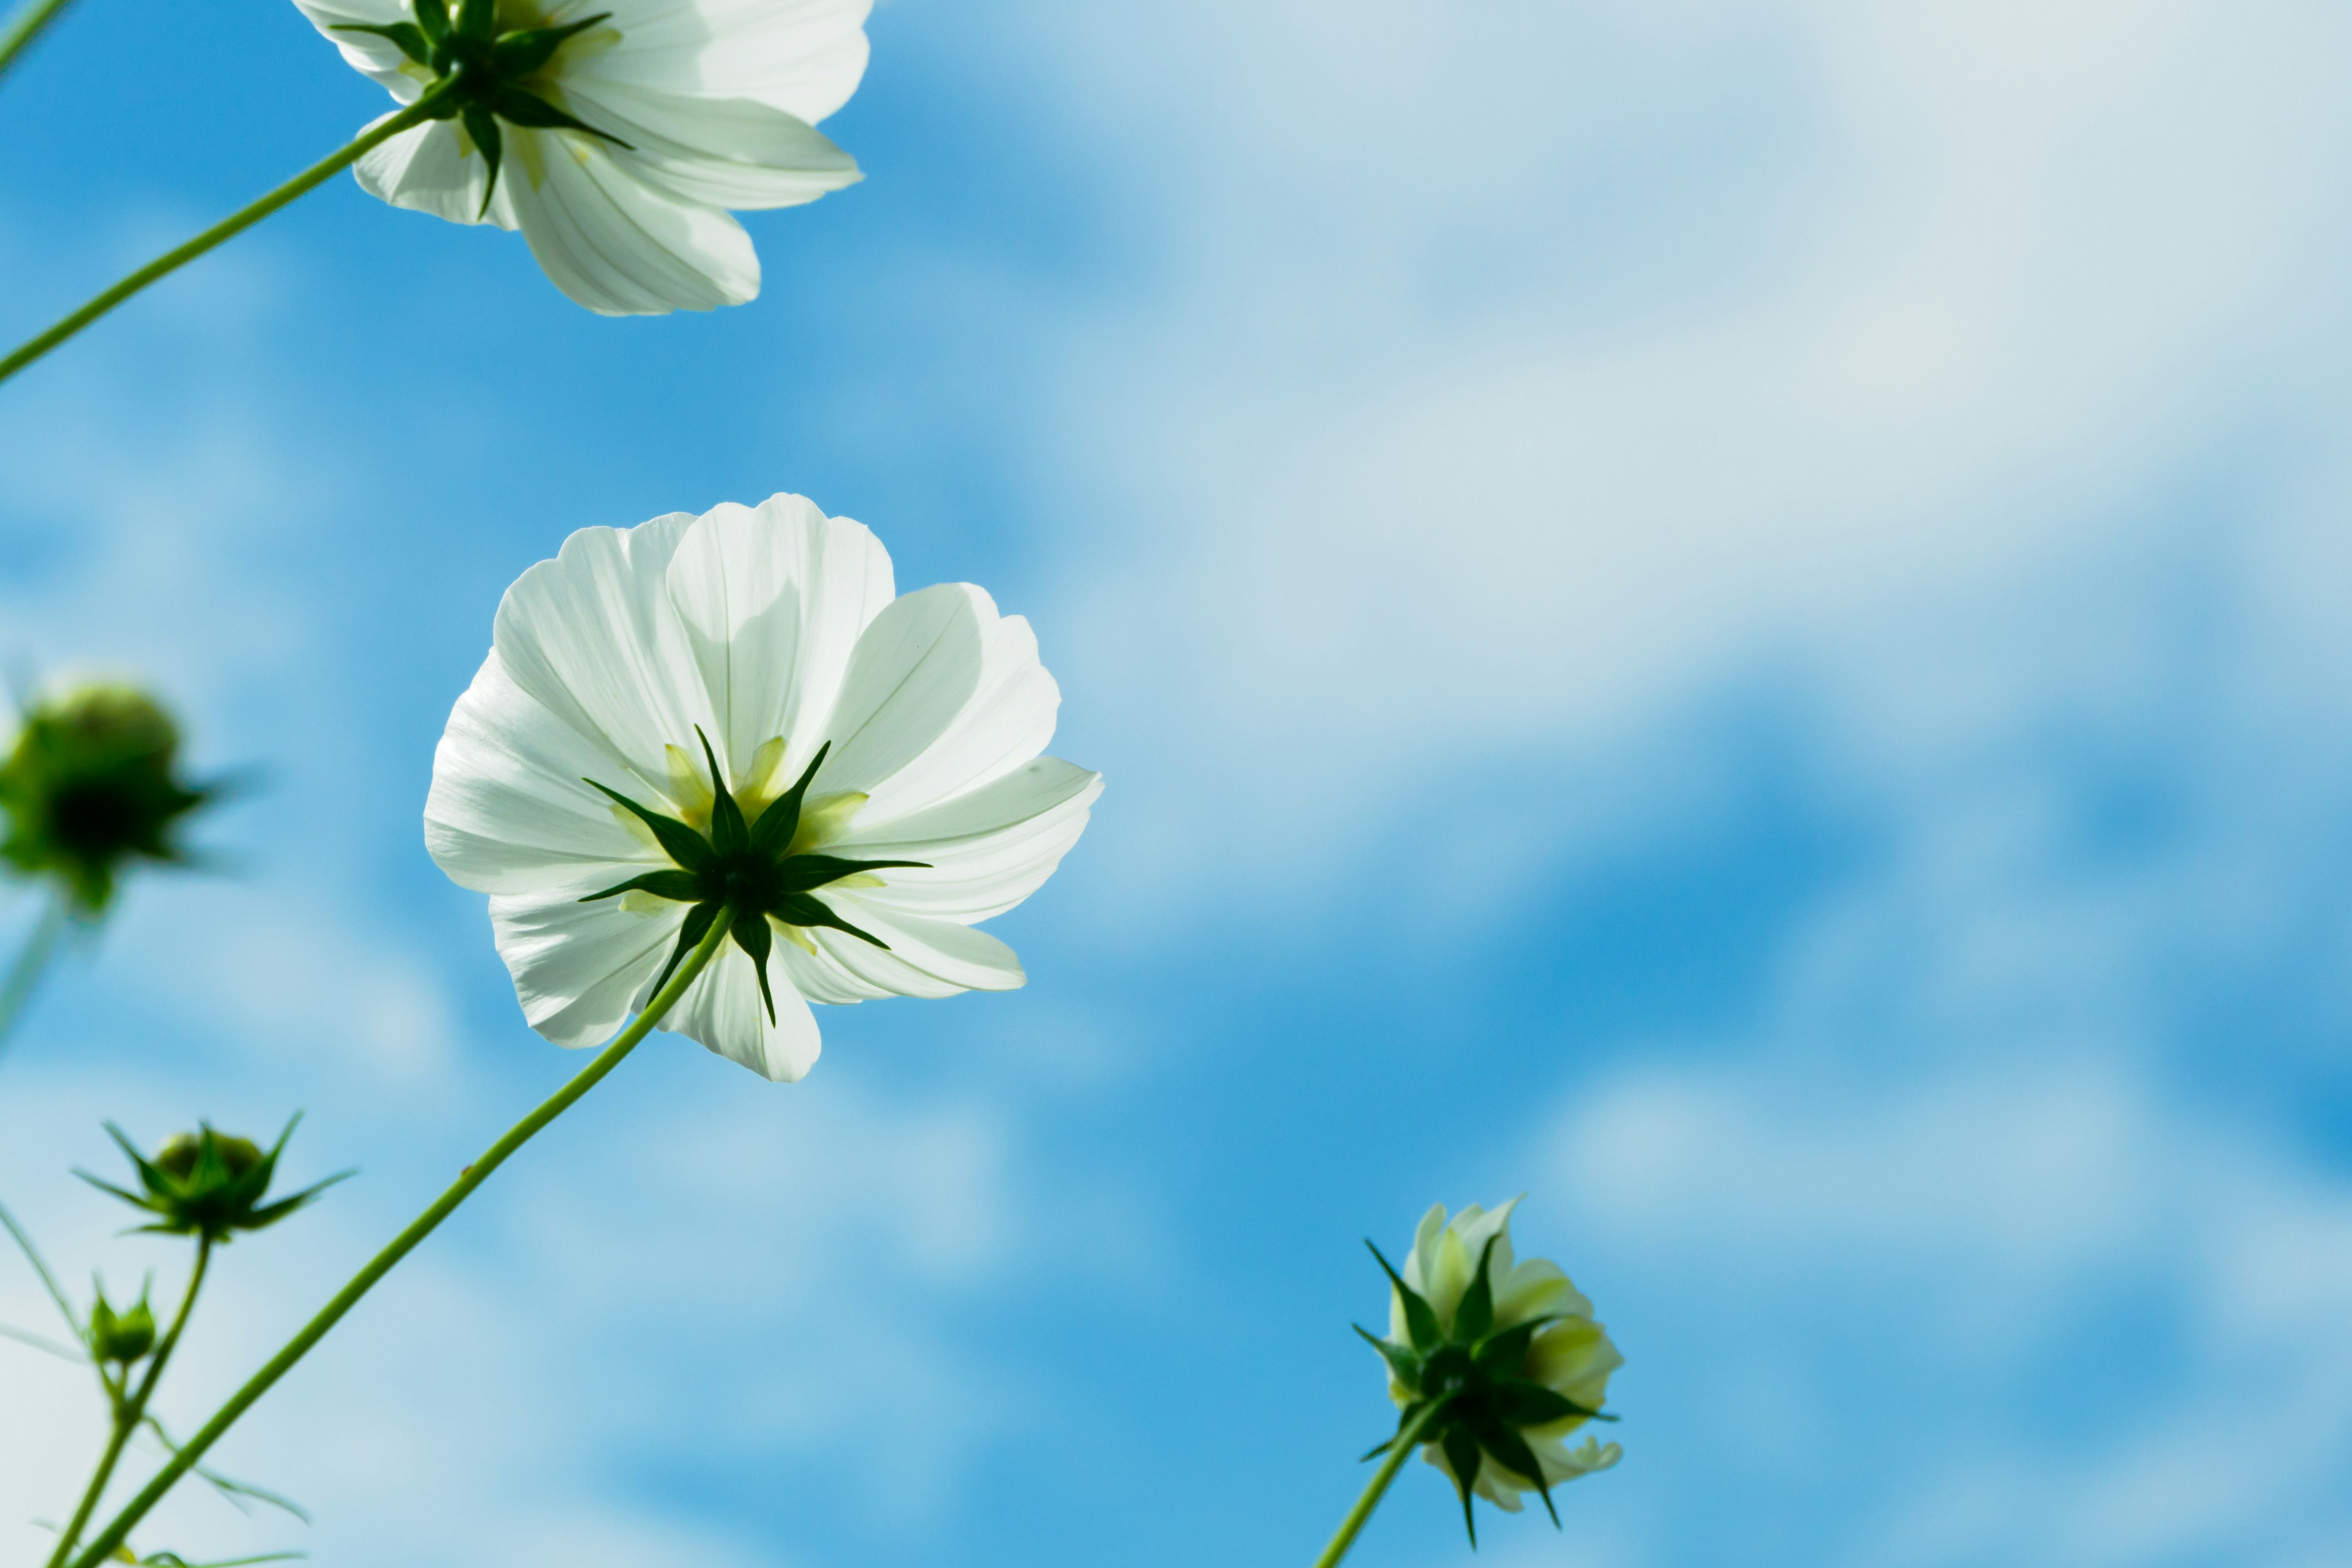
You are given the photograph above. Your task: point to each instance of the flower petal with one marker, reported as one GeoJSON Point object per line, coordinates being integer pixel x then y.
{"type": "Point", "coordinates": [731, 152]}
{"type": "Point", "coordinates": [913, 670]}
{"type": "Point", "coordinates": [926, 957]}
{"type": "Point", "coordinates": [722, 1010]}
{"type": "Point", "coordinates": [508, 812]}
{"type": "Point", "coordinates": [431, 169]}
{"type": "Point", "coordinates": [371, 54]}
{"type": "Point", "coordinates": [578, 967]}
{"type": "Point", "coordinates": [773, 598]}
{"type": "Point", "coordinates": [803, 57]}
{"type": "Point", "coordinates": [592, 637]}
{"type": "Point", "coordinates": [1006, 721]}
{"type": "Point", "coordinates": [617, 245]}
{"type": "Point", "coordinates": [982, 852]}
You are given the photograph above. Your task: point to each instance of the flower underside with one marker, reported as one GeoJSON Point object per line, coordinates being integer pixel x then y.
{"type": "Point", "coordinates": [1469, 1385]}
{"type": "Point", "coordinates": [745, 868]}
{"type": "Point", "coordinates": [483, 74]}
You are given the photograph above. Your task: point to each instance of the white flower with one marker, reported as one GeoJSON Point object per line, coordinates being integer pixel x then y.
{"type": "Point", "coordinates": [621, 138]}
{"type": "Point", "coordinates": [889, 745]}
{"type": "Point", "coordinates": [1501, 1411]}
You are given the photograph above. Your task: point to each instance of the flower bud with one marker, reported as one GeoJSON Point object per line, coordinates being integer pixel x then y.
{"type": "Point", "coordinates": [1498, 1362]}
{"type": "Point", "coordinates": [90, 786]}
{"type": "Point", "coordinates": [207, 1184]}
{"type": "Point", "coordinates": [121, 1337]}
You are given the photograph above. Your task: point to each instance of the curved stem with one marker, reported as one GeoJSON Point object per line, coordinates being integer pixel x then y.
{"type": "Point", "coordinates": [26, 26]}
{"type": "Point", "coordinates": [128, 1411]}
{"type": "Point", "coordinates": [1351, 1526]}
{"type": "Point", "coordinates": [32, 962]}
{"type": "Point", "coordinates": [376, 1267]}
{"type": "Point", "coordinates": [236, 223]}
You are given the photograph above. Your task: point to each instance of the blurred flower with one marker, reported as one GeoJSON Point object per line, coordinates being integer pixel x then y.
{"type": "Point", "coordinates": [1503, 1358]}
{"type": "Point", "coordinates": [734, 710]}
{"type": "Point", "coordinates": [121, 1337]}
{"type": "Point", "coordinates": [89, 788]}
{"type": "Point", "coordinates": [209, 1184]}
{"type": "Point", "coordinates": [616, 135]}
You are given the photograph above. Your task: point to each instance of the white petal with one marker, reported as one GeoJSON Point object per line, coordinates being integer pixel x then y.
{"type": "Point", "coordinates": [723, 1010]}
{"type": "Point", "coordinates": [925, 958]}
{"type": "Point", "coordinates": [432, 168]}
{"type": "Point", "coordinates": [820, 978]}
{"type": "Point", "coordinates": [592, 637]}
{"type": "Point", "coordinates": [803, 57]}
{"type": "Point", "coordinates": [508, 812]}
{"type": "Point", "coordinates": [616, 244]}
{"type": "Point", "coordinates": [370, 54]}
{"type": "Point", "coordinates": [729, 152]}
{"type": "Point", "coordinates": [1006, 721]}
{"type": "Point", "coordinates": [982, 852]}
{"type": "Point", "coordinates": [773, 599]}
{"type": "Point", "coordinates": [578, 967]}
{"type": "Point", "coordinates": [912, 672]}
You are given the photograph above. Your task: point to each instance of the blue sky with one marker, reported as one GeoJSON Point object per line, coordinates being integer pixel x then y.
{"type": "Point", "coordinates": [1726, 615]}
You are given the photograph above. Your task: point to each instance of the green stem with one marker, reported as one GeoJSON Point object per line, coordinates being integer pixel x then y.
{"type": "Point", "coordinates": [1351, 1526]}
{"type": "Point", "coordinates": [32, 962]}
{"type": "Point", "coordinates": [473, 1176]}
{"type": "Point", "coordinates": [128, 1412]}
{"type": "Point", "coordinates": [26, 26]}
{"type": "Point", "coordinates": [229, 227]}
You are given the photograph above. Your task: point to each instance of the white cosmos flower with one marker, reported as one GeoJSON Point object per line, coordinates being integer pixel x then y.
{"type": "Point", "coordinates": [775, 634]}
{"type": "Point", "coordinates": [694, 108]}
{"type": "Point", "coordinates": [1500, 1425]}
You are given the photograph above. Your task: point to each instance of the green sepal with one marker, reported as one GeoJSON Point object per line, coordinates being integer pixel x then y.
{"type": "Point", "coordinates": [478, 19]}
{"type": "Point", "coordinates": [777, 823]}
{"type": "Point", "coordinates": [433, 17]}
{"type": "Point", "coordinates": [1533, 1404]}
{"type": "Point", "coordinates": [680, 886]}
{"type": "Point", "coordinates": [800, 910]}
{"type": "Point", "coordinates": [697, 926]}
{"type": "Point", "coordinates": [806, 873]}
{"type": "Point", "coordinates": [1511, 1451]}
{"type": "Point", "coordinates": [728, 832]}
{"type": "Point", "coordinates": [1462, 1453]}
{"type": "Point", "coordinates": [483, 127]}
{"type": "Point", "coordinates": [517, 107]}
{"type": "Point", "coordinates": [680, 842]}
{"type": "Point", "coordinates": [1420, 1317]}
{"type": "Point", "coordinates": [1505, 1350]}
{"type": "Point", "coordinates": [1473, 1316]}
{"type": "Point", "coordinates": [1404, 1365]}
{"type": "Point", "coordinates": [755, 937]}
{"type": "Point", "coordinates": [408, 35]}
{"type": "Point", "coordinates": [518, 53]}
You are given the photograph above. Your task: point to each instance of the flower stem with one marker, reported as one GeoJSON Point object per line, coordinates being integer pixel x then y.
{"type": "Point", "coordinates": [32, 962]}
{"type": "Point", "coordinates": [376, 1267]}
{"type": "Point", "coordinates": [26, 26]}
{"type": "Point", "coordinates": [229, 227]}
{"type": "Point", "coordinates": [1351, 1526]}
{"type": "Point", "coordinates": [128, 1412]}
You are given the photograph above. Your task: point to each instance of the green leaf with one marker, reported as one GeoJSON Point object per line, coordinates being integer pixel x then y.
{"type": "Point", "coordinates": [408, 35]}
{"type": "Point", "coordinates": [800, 910]}
{"type": "Point", "coordinates": [680, 842]}
{"type": "Point", "coordinates": [1533, 1404]}
{"type": "Point", "coordinates": [676, 886]}
{"type": "Point", "coordinates": [517, 107]}
{"type": "Point", "coordinates": [1402, 1362]}
{"type": "Point", "coordinates": [805, 873]}
{"type": "Point", "coordinates": [518, 53]}
{"type": "Point", "coordinates": [697, 926]}
{"type": "Point", "coordinates": [728, 833]}
{"type": "Point", "coordinates": [755, 936]}
{"type": "Point", "coordinates": [483, 127]}
{"type": "Point", "coordinates": [773, 831]}
{"type": "Point", "coordinates": [48, 1280]}
{"type": "Point", "coordinates": [1512, 1452]}
{"type": "Point", "coordinates": [1475, 1316]}
{"type": "Point", "coordinates": [1420, 1317]}
{"type": "Point", "coordinates": [1462, 1452]}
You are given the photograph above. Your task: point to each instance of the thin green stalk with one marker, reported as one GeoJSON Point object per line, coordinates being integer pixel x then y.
{"type": "Point", "coordinates": [32, 962]}
{"type": "Point", "coordinates": [422, 1225]}
{"type": "Point", "coordinates": [130, 1411]}
{"type": "Point", "coordinates": [1351, 1526]}
{"type": "Point", "coordinates": [229, 227]}
{"type": "Point", "coordinates": [48, 1280]}
{"type": "Point", "coordinates": [26, 26]}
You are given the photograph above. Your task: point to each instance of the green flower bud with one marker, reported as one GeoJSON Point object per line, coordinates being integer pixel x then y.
{"type": "Point", "coordinates": [1497, 1361]}
{"type": "Point", "coordinates": [89, 788]}
{"type": "Point", "coordinates": [207, 1184]}
{"type": "Point", "coordinates": [121, 1337]}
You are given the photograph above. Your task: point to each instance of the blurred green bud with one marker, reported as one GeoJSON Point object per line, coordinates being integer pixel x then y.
{"type": "Point", "coordinates": [209, 1184]}
{"type": "Point", "coordinates": [122, 1337]}
{"type": "Point", "coordinates": [90, 786]}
